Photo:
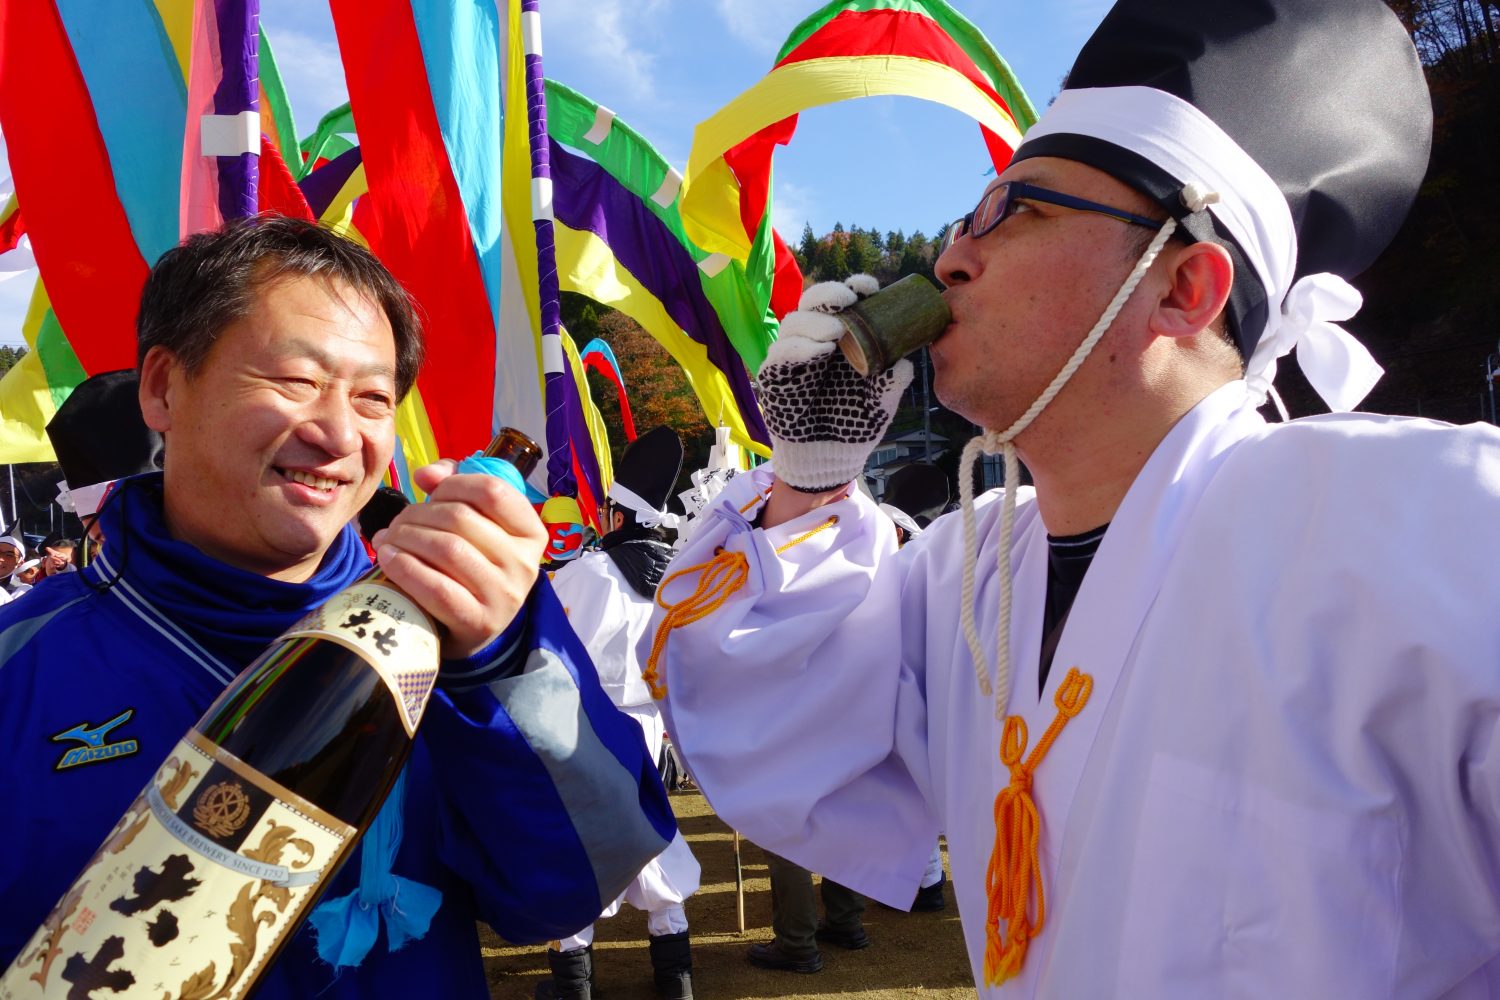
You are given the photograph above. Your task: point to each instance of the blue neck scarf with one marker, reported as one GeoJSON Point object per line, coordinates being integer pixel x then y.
{"type": "Point", "coordinates": [234, 614]}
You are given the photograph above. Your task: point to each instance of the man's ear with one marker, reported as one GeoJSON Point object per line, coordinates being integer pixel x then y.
{"type": "Point", "coordinates": [160, 370]}
{"type": "Point", "coordinates": [1198, 278]}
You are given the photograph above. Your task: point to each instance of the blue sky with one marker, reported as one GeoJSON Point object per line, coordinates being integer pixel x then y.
{"type": "Point", "coordinates": [665, 65]}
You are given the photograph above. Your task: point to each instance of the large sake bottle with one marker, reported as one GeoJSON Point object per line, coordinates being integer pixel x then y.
{"type": "Point", "coordinates": [220, 858]}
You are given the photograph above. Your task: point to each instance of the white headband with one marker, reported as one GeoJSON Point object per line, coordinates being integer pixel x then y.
{"type": "Point", "coordinates": [1179, 138]}
{"type": "Point", "coordinates": [647, 515]}
{"type": "Point", "coordinates": [84, 501]}
{"type": "Point", "coordinates": [902, 519]}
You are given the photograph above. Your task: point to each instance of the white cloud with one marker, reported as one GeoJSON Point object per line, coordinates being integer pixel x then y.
{"type": "Point", "coordinates": [615, 37]}
{"type": "Point", "coordinates": [15, 296]}
{"type": "Point", "coordinates": [762, 25]}
{"type": "Point", "coordinates": [312, 72]}
{"type": "Point", "coordinates": [791, 209]}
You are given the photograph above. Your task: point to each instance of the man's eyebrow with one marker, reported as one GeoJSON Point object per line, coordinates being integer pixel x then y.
{"type": "Point", "coordinates": [1041, 178]}
{"type": "Point", "coordinates": [297, 347]}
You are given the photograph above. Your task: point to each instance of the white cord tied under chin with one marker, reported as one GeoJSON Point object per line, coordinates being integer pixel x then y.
{"type": "Point", "coordinates": [1004, 442]}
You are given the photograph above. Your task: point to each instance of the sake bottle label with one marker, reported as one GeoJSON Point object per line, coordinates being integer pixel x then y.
{"type": "Point", "coordinates": [390, 632]}
{"type": "Point", "coordinates": [197, 885]}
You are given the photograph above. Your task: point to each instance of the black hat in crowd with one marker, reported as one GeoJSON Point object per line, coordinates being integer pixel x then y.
{"type": "Point", "coordinates": [1309, 119]}
{"type": "Point", "coordinates": [919, 493]}
{"type": "Point", "coordinates": [100, 436]}
{"type": "Point", "coordinates": [645, 476]}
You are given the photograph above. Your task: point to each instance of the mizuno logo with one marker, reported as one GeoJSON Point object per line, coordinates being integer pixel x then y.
{"type": "Point", "coordinates": [95, 747]}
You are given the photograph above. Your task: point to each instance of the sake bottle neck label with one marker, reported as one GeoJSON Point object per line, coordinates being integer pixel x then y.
{"type": "Point", "coordinates": [390, 632]}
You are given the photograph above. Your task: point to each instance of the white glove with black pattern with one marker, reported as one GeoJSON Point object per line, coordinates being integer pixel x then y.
{"type": "Point", "coordinates": [824, 417]}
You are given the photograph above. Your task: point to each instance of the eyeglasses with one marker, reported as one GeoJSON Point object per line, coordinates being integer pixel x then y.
{"type": "Point", "coordinates": [1000, 201]}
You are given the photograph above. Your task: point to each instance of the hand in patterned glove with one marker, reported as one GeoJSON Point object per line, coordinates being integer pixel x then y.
{"type": "Point", "coordinates": [824, 417]}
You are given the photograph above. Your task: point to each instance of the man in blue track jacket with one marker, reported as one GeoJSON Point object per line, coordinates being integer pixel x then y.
{"type": "Point", "coordinates": [273, 354]}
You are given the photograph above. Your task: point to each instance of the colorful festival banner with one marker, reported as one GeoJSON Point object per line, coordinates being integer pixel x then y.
{"type": "Point", "coordinates": [740, 296]}
{"type": "Point", "coordinates": [611, 248]}
{"type": "Point", "coordinates": [32, 390]}
{"type": "Point", "coordinates": [459, 208]}
{"type": "Point", "coordinates": [847, 49]}
{"type": "Point", "coordinates": [150, 130]}
{"type": "Point", "coordinates": [418, 215]}
{"type": "Point", "coordinates": [597, 356]}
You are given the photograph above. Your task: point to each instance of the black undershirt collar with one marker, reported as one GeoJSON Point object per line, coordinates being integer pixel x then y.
{"type": "Point", "coordinates": [1068, 559]}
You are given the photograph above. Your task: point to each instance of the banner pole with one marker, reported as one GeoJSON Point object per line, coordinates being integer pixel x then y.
{"type": "Point", "coordinates": [739, 884]}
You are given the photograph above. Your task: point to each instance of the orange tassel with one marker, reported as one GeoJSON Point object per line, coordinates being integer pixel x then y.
{"type": "Point", "coordinates": [722, 575]}
{"type": "Point", "coordinates": [1015, 876]}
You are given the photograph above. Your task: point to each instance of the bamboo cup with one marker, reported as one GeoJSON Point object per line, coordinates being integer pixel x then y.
{"type": "Point", "coordinates": [895, 321]}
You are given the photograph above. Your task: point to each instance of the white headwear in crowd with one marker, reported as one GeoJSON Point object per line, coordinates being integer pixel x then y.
{"type": "Point", "coordinates": [645, 476]}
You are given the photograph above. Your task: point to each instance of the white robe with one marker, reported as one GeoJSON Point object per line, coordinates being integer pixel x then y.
{"type": "Point", "coordinates": [1286, 782]}
{"type": "Point", "coordinates": [610, 619]}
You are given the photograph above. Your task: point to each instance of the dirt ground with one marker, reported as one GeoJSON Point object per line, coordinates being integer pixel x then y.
{"type": "Point", "coordinates": [912, 955]}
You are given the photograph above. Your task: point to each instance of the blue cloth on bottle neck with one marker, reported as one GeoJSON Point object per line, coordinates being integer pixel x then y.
{"type": "Point", "coordinates": [501, 469]}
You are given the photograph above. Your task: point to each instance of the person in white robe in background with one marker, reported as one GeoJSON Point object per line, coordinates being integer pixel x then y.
{"type": "Point", "coordinates": [608, 598]}
{"type": "Point", "coordinates": [1265, 760]}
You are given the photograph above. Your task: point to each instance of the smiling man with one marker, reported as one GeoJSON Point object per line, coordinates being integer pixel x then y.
{"type": "Point", "coordinates": [272, 357]}
{"type": "Point", "coordinates": [1211, 711]}
{"type": "Point", "coordinates": [308, 379]}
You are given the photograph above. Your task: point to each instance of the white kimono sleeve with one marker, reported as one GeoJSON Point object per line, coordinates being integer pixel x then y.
{"type": "Point", "coordinates": [789, 699]}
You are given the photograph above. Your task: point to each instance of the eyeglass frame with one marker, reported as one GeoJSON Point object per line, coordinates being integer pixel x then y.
{"type": "Point", "coordinates": [1017, 191]}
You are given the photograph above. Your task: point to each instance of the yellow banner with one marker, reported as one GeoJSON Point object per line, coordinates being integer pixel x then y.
{"type": "Point", "coordinates": [710, 196]}
{"type": "Point", "coordinates": [25, 398]}
{"type": "Point", "coordinates": [585, 264]}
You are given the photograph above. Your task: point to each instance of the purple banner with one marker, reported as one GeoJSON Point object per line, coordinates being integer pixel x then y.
{"type": "Point", "coordinates": [588, 199]}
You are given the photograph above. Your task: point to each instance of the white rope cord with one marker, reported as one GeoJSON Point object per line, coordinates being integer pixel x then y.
{"type": "Point", "coordinates": [1004, 441]}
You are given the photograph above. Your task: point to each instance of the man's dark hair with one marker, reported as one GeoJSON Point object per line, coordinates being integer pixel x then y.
{"type": "Point", "coordinates": [198, 289]}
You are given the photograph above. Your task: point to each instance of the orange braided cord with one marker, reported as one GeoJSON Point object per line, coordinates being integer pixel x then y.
{"type": "Point", "coordinates": [721, 576]}
{"type": "Point", "coordinates": [808, 534]}
{"type": "Point", "coordinates": [1014, 872]}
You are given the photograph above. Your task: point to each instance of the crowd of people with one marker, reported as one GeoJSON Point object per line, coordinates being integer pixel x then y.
{"type": "Point", "coordinates": [22, 568]}
{"type": "Point", "coordinates": [1210, 709]}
